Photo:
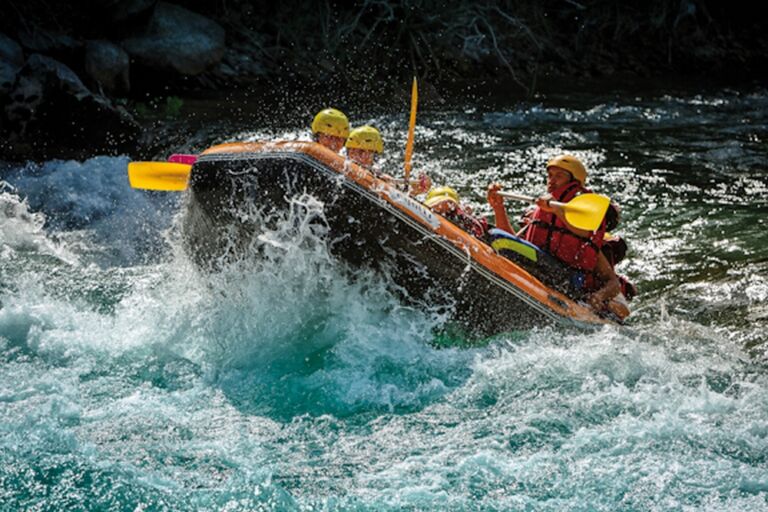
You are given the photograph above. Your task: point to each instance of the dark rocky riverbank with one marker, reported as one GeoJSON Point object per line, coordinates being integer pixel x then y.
{"type": "Point", "coordinates": [114, 76]}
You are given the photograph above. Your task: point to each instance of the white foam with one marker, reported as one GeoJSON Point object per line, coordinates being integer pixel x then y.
{"type": "Point", "coordinates": [91, 206]}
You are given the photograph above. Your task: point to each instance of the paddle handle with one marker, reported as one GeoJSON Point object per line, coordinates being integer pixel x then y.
{"type": "Point", "coordinates": [519, 197]}
{"type": "Point", "coordinates": [181, 158]}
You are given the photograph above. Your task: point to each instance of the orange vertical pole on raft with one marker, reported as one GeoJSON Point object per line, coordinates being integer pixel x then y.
{"type": "Point", "coordinates": [411, 130]}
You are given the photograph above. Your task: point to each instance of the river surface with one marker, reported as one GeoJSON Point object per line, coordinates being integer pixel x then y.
{"type": "Point", "coordinates": [128, 381]}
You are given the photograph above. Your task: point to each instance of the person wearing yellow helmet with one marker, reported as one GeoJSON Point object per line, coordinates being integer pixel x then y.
{"type": "Point", "coordinates": [330, 127]}
{"type": "Point", "coordinates": [445, 201]}
{"type": "Point", "coordinates": [364, 144]}
{"type": "Point", "coordinates": [549, 230]}
{"type": "Point", "coordinates": [441, 195]}
{"type": "Point", "coordinates": [566, 178]}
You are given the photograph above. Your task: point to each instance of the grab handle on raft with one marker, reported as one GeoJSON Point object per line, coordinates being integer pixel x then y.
{"type": "Point", "coordinates": [582, 212]}
{"type": "Point", "coordinates": [168, 176]}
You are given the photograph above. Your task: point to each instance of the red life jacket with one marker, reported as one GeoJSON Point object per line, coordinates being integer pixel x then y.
{"type": "Point", "coordinates": [552, 235]}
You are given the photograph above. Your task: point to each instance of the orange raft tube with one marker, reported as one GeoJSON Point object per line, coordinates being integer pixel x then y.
{"type": "Point", "coordinates": [370, 223]}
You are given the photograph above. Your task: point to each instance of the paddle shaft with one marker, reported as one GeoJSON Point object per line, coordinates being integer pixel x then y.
{"type": "Point", "coordinates": [585, 212]}
{"type": "Point", "coordinates": [411, 129]}
{"type": "Point", "coordinates": [527, 199]}
{"type": "Point", "coordinates": [410, 182]}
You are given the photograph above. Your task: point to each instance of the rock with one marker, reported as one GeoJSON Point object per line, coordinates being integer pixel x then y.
{"type": "Point", "coordinates": [53, 114]}
{"type": "Point", "coordinates": [7, 78]}
{"type": "Point", "coordinates": [177, 40]}
{"type": "Point", "coordinates": [55, 75]}
{"type": "Point", "coordinates": [11, 60]}
{"type": "Point", "coordinates": [26, 97]}
{"type": "Point", "coordinates": [10, 51]}
{"type": "Point", "coordinates": [43, 41]}
{"type": "Point", "coordinates": [124, 10]}
{"type": "Point", "coordinates": [108, 65]}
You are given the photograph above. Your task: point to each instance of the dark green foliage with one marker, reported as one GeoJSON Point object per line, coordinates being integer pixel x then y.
{"type": "Point", "coordinates": [354, 44]}
{"type": "Point", "coordinates": [517, 40]}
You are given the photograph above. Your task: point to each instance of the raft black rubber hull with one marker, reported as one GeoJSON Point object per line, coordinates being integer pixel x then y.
{"type": "Point", "coordinates": [365, 229]}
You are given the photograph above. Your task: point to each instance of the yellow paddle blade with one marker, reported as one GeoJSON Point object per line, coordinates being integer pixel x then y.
{"type": "Point", "coordinates": [411, 128]}
{"type": "Point", "coordinates": [159, 175]}
{"type": "Point", "coordinates": [586, 211]}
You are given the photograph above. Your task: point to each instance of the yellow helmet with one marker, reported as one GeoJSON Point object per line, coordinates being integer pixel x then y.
{"type": "Point", "coordinates": [571, 164]}
{"type": "Point", "coordinates": [365, 137]}
{"type": "Point", "coordinates": [440, 194]}
{"type": "Point", "coordinates": [331, 122]}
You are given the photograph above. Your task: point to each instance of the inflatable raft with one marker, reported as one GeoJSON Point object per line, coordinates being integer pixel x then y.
{"type": "Point", "coordinates": [372, 223]}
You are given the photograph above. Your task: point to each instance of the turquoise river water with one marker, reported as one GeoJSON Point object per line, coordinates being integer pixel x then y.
{"type": "Point", "coordinates": [129, 381]}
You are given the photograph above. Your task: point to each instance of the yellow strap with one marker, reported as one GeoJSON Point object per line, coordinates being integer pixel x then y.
{"type": "Point", "coordinates": [518, 247]}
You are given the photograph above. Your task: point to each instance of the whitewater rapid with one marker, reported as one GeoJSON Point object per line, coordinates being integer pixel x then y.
{"type": "Point", "coordinates": [131, 380]}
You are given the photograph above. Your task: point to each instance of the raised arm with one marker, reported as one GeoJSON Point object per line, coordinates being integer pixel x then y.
{"type": "Point", "coordinates": [497, 204]}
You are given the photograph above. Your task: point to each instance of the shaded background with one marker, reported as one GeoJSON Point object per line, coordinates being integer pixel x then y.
{"type": "Point", "coordinates": [115, 77]}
